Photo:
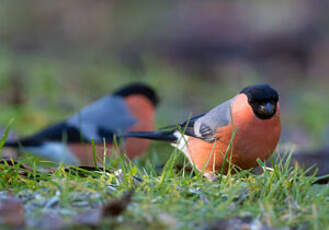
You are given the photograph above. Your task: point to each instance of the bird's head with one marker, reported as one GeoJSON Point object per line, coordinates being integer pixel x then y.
{"type": "Point", "coordinates": [139, 89]}
{"type": "Point", "coordinates": [263, 99]}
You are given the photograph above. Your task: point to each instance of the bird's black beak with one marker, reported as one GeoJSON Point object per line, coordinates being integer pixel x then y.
{"type": "Point", "coordinates": [268, 108]}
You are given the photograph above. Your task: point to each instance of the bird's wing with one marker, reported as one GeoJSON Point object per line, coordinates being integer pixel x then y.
{"type": "Point", "coordinates": [167, 133]}
{"type": "Point", "coordinates": [204, 126]}
{"type": "Point", "coordinates": [185, 124]}
{"type": "Point", "coordinates": [102, 118]}
{"type": "Point", "coordinates": [99, 120]}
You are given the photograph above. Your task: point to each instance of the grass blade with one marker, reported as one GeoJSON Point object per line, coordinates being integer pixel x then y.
{"type": "Point", "coordinates": [93, 146]}
{"type": "Point", "coordinates": [5, 135]}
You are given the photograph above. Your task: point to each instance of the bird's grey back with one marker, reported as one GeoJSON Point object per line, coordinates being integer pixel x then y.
{"type": "Point", "coordinates": [216, 117]}
{"type": "Point", "coordinates": [109, 113]}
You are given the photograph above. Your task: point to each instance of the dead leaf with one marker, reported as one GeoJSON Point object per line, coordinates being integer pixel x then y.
{"type": "Point", "coordinates": [116, 207]}
{"type": "Point", "coordinates": [12, 212]}
{"type": "Point", "coordinates": [94, 217]}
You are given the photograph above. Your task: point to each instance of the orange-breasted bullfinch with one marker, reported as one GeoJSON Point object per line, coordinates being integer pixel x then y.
{"type": "Point", "coordinates": [253, 115]}
{"type": "Point", "coordinates": [130, 108]}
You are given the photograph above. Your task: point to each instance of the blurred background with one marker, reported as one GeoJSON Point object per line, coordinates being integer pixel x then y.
{"type": "Point", "coordinates": [56, 56]}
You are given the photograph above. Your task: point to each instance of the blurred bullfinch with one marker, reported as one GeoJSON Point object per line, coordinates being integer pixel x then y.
{"type": "Point", "coordinates": [130, 108]}
{"type": "Point", "coordinates": [253, 116]}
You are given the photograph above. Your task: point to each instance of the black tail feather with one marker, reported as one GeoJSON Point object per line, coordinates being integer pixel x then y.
{"type": "Point", "coordinates": [25, 142]}
{"type": "Point", "coordinates": [14, 144]}
{"type": "Point", "coordinates": [161, 136]}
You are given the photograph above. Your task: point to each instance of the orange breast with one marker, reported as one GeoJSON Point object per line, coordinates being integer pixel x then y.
{"type": "Point", "coordinates": [143, 110]}
{"type": "Point", "coordinates": [255, 138]}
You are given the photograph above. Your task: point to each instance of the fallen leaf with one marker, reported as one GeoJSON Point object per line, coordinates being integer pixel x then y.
{"type": "Point", "coordinates": [94, 217]}
{"type": "Point", "coordinates": [116, 207]}
{"type": "Point", "coordinates": [12, 212]}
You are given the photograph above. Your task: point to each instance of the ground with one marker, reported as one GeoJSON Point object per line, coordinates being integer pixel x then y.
{"type": "Point", "coordinates": [173, 199]}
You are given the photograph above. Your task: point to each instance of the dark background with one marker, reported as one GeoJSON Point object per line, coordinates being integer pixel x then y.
{"type": "Point", "coordinates": [56, 56]}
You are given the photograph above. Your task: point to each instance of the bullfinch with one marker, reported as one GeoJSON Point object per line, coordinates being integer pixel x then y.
{"type": "Point", "coordinates": [243, 128]}
{"type": "Point", "coordinates": [130, 108]}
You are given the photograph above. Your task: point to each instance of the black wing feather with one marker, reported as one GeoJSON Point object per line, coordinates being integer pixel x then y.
{"type": "Point", "coordinates": [187, 126]}
{"type": "Point", "coordinates": [106, 134]}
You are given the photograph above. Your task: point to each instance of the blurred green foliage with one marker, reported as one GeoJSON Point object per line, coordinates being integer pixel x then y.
{"type": "Point", "coordinates": [54, 88]}
{"type": "Point", "coordinates": [65, 55]}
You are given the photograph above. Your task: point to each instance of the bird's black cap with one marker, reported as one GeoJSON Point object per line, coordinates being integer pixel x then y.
{"type": "Point", "coordinates": [260, 92]}
{"type": "Point", "coordinates": [138, 88]}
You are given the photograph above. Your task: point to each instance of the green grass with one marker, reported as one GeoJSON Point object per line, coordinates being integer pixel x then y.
{"type": "Point", "coordinates": [172, 198]}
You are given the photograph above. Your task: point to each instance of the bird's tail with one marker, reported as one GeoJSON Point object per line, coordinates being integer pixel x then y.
{"type": "Point", "coordinates": [168, 136]}
{"type": "Point", "coordinates": [57, 152]}
{"type": "Point", "coordinates": [13, 144]}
